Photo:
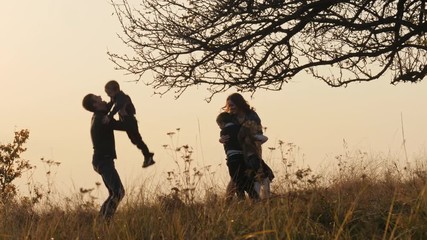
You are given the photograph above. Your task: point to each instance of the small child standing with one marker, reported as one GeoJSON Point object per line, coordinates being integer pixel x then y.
{"type": "Point", "coordinates": [124, 107]}
{"type": "Point", "coordinates": [235, 158]}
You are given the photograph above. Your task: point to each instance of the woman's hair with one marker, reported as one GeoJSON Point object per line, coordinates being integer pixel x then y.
{"type": "Point", "coordinates": [88, 102]}
{"type": "Point", "coordinates": [247, 141]}
{"type": "Point", "coordinates": [239, 101]}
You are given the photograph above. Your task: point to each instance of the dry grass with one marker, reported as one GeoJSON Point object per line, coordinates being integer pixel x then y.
{"type": "Point", "coordinates": [351, 205]}
{"type": "Point", "coordinates": [364, 198]}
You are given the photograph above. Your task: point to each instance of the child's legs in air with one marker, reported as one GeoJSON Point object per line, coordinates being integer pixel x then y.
{"type": "Point", "coordinates": [134, 135]}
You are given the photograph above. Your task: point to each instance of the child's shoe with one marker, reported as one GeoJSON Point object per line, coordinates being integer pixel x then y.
{"type": "Point", "coordinates": [148, 161]}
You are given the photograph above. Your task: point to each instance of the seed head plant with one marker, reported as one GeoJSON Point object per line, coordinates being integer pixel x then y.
{"type": "Point", "coordinates": [185, 177]}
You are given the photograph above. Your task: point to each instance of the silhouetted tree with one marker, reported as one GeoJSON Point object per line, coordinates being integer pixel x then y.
{"type": "Point", "coordinates": [262, 44]}
{"type": "Point", "coordinates": [12, 165]}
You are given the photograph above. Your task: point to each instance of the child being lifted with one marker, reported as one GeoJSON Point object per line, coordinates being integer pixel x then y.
{"type": "Point", "coordinates": [124, 107]}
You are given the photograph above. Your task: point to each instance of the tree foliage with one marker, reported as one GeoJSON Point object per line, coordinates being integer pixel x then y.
{"type": "Point", "coordinates": [12, 165]}
{"type": "Point", "coordinates": [262, 44]}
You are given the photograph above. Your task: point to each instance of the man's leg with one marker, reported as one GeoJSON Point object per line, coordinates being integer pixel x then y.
{"type": "Point", "coordinates": [103, 210]}
{"type": "Point", "coordinates": [114, 185]}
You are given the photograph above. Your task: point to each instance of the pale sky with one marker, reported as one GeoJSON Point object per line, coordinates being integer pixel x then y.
{"type": "Point", "coordinates": [53, 52]}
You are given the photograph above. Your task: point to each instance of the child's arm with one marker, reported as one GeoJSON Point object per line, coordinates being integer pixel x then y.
{"type": "Point", "coordinates": [110, 116]}
{"type": "Point", "coordinates": [119, 102]}
{"type": "Point", "coordinates": [261, 137]}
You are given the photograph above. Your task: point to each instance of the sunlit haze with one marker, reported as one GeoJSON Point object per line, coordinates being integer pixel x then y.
{"type": "Point", "coordinates": [52, 53]}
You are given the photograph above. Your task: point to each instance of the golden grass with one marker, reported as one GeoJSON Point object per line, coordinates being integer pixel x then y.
{"type": "Point", "coordinates": [363, 199]}
{"type": "Point", "coordinates": [355, 208]}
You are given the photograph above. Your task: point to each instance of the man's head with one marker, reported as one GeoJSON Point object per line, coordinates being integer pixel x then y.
{"type": "Point", "coordinates": [93, 103]}
{"type": "Point", "coordinates": [112, 88]}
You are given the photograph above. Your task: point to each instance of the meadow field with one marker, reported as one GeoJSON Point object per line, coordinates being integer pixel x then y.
{"type": "Point", "coordinates": [362, 197]}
